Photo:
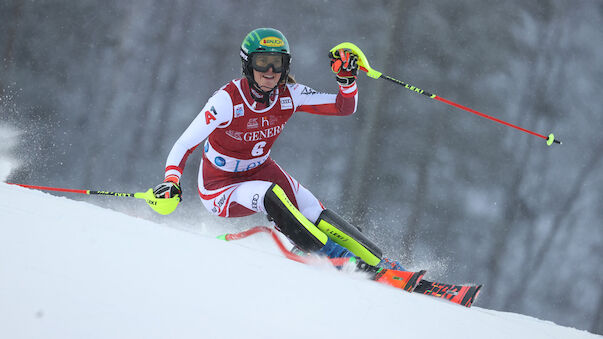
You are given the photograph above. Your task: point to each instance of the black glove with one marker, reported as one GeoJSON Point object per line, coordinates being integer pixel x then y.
{"type": "Point", "coordinates": [344, 64]}
{"type": "Point", "coordinates": [167, 189]}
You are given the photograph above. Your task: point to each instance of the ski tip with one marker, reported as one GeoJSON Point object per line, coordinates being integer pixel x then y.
{"type": "Point", "coordinates": [222, 237]}
{"type": "Point", "coordinates": [471, 295]}
{"type": "Point", "coordinates": [478, 289]}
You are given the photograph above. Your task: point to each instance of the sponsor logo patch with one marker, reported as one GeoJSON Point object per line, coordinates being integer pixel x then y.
{"type": "Point", "coordinates": [219, 161]}
{"type": "Point", "coordinates": [218, 204]}
{"type": "Point", "coordinates": [253, 123]}
{"type": "Point", "coordinates": [286, 103]}
{"type": "Point", "coordinates": [235, 134]}
{"type": "Point", "coordinates": [263, 134]}
{"type": "Point", "coordinates": [308, 91]}
{"type": "Point", "coordinates": [210, 115]}
{"type": "Point", "coordinates": [239, 111]}
{"type": "Point", "coordinates": [265, 122]}
{"type": "Point", "coordinates": [272, 41]}
{"type": "Point", "coordinates": [254, 201]}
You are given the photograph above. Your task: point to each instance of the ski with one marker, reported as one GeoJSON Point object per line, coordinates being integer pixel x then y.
{"type": "Point", "coordinates": [459, 294]}
{"type": "Point", "coordinates": [405, 280]}
{"type": "Point", "coordinates": [464, 295]}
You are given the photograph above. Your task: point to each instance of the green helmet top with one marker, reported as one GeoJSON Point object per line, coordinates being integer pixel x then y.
{"type": "Point", "coordinates": [265, 40]}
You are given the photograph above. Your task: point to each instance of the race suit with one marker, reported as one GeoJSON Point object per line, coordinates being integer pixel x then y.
{"type": "Point", "coordinates": [237, 170]}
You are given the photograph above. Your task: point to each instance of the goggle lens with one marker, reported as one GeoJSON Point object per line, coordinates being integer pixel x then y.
{"type": "Point", "coordinates": [262, 62]}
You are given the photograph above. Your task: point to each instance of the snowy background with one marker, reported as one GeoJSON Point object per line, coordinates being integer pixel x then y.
{"type": "Point", "coordinates": [94, 93]}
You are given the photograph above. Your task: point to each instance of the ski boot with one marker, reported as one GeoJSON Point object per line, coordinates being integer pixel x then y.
{"type": "Point", "coordinates": [391, 264]}
{"type": "Point", "coordinates": [390, 276]}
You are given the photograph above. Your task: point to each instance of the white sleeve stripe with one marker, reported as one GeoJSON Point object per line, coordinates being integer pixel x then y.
{"type": "Point", "coordinates": [173, 172]}
{"type": "Point", "coordinates": [348, 89]}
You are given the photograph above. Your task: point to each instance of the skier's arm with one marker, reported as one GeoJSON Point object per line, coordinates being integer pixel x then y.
{"type": "Point", "coordinates": [344, 65]}
{"type": "Point", "coordinates": [308, 100]}
{"type": "Point", "coordinates": [218, 111]}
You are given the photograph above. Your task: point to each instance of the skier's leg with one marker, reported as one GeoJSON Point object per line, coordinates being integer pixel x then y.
{"type": "Point", "coordinates": [340, 232]}
{"type": "Point", "coordinates": [329, 235]}
{"type": "Point", "coordinates": [295, 210]}
{"type": "Point", "coordinates": [292, 222]}
{"type": "Point", "coordinates": [347, 235]}
{"type": "Point", "coordinates": [250, 197]}
{"type": "Point", "coordinates": [335, 227]}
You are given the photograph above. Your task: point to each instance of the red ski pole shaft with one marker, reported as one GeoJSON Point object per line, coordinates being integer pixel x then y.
{"type": "Point", "coordinates": [550, 139]}
{"type": "Point", "coordinates": [80, 191]}
{"type": "Point", "coordinates": [264, 229]}
{"type": "Point", "coordinates": [279, 244]}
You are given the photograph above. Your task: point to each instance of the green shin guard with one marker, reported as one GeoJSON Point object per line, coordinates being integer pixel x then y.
{"type": "Point", "coordinates": [291, 222]}
{"type": "Point", "coordinates": [348, 236]}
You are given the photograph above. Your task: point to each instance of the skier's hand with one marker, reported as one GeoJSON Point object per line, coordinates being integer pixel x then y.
{"type": "Point", "coordinates": [344, 64]}
{"type": "Point", "coordinates": [167, 189]}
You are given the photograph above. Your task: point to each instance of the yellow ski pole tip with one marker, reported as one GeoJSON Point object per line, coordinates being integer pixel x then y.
{"type": "Point", "coordinates": [552, 140]}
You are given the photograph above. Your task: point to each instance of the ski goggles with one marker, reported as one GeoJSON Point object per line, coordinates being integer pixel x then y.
{"type": "Point", "coordinates": [262, 62]}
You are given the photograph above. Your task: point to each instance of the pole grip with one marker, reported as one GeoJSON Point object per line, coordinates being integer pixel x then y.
{"type": "Point", "coordinates": [363, 63]}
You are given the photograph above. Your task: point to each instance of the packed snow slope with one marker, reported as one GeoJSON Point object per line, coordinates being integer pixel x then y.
{"type": "Point", "coordinates": [70, 269]}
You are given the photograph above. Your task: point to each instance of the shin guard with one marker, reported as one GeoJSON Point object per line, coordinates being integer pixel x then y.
{"type": "Point", "coordinates": [291, 222]}
{"type": "Point", "coordinates": [348, 236]}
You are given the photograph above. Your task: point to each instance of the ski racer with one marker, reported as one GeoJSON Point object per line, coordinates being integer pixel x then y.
{"type": "Point", "coordinates": [236, 130]}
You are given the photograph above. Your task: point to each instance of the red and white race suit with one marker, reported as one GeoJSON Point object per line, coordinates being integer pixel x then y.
{"type": "Point", "coordinates": [237, 169]}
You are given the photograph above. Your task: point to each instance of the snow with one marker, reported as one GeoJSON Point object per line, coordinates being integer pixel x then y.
{"type": "Point", "coordinates": [70, 269]}
{"type": "Point", "coordinates": [8, 139]}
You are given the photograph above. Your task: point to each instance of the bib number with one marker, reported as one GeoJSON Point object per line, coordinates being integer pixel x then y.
{"type": "Point", "coordinates": [258, 149]}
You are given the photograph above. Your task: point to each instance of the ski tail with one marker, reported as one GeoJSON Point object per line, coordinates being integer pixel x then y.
{"type": "Point", "coordinates": [460, 294]}
{"type": "Point", "coordinates": [405, 280]}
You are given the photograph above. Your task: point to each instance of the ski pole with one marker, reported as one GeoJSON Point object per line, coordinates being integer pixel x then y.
{"type": "Point", "coordinates": [161, 206]}
{"type": "Point", "coordinates": [364, 66]}
{"type": "Point", "coordinates": [288, 254]}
